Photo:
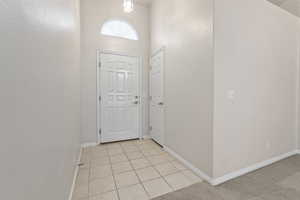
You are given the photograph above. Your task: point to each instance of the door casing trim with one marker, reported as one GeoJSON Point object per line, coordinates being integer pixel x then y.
{"type": "Point", "coordinates": [163, 50]}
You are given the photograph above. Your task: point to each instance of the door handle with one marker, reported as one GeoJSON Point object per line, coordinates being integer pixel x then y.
{"type": "Point", "coordinates": [161, 103]}
{"type": "Point", "coordinates": [136, 102]}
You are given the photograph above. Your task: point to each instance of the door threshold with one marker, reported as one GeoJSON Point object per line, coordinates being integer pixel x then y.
{"type": "Point", "coordinates": [114, 142]}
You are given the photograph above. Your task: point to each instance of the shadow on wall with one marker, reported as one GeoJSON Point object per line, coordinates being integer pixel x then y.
{"type": "Point", "coordinates": [292, 6]}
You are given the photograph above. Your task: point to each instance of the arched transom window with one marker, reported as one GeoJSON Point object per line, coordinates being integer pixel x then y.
{"type": "Point", "coordinates": [117, 28]}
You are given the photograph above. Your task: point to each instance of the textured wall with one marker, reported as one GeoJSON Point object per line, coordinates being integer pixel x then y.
{"type": "Point", "coordinates": [186, 30]}
{"type": "Point", "coordinates": [256, 47]}
{"type": "Point", "coordinates": [40, 100]}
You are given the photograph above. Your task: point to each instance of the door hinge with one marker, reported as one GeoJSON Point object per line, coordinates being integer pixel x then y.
{"type": "Point", "coordinates": [100, 131]}
{"type": "Point", "coordinates": [99, 64]}
{"type": "Point", "coordinates": [150, 128]}
{"type": "Point", "coordinates": [99, 98]}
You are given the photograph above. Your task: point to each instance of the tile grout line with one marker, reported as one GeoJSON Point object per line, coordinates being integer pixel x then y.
{"type": "Point", "coordinates": [164, 178]}
{"type": "Point", "coordinates": [153, 166]}
{"type": "Point", "coordinates": [161, 176]}
{"type": "Point", "coordinates": [88, 168]}
{"type": "Point", "coordinates": [89, 175]}
{"type": "Point", "coordinates": [114, 178]}
{"type": "Point", "coordinates": [140, 181]}
{"type": "Point", "coordinates": [109, 164]}
{"type": "Point", "coordinates": [140, 150]}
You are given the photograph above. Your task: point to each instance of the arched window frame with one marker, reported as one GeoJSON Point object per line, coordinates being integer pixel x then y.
{"type": "Point", "coordinates": [131, 34]}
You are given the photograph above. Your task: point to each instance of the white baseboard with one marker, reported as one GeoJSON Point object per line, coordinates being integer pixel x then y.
{"type": "Point", "coordinates": [197, 171]}
{"type": "Point", "coordinates": [75, 175]}
{"type": "Point", "coordinates": [92, 144]}
{"type": "Point", "coordinates": [227, 177]}
{"type": "Point", "coordinates": [204, 176]}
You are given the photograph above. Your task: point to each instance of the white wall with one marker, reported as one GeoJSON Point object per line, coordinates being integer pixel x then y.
{"type": "Point", "coordinates": [93, 14]}
{"type": "Point", "coordinates": [256, 47]}
{"type": "Point", "coordinates": [39, 84]}
{"type": "Point", "coordinates": [185, 29]}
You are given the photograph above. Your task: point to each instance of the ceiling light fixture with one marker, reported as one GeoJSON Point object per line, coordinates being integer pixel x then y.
{"type": "Point", "coordinates": [128, 6]}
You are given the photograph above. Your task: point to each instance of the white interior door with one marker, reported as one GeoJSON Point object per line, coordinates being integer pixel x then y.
{"type": "Point", "coordinates": [157, 97]}
{"type": "Point", "coordinates": [120, 99]}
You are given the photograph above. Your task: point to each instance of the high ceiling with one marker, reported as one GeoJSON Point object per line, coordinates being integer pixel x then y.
{"type": "Point", "coordinates": [292, 6]}
{"type": "Point", "coordinates": [148, 2]}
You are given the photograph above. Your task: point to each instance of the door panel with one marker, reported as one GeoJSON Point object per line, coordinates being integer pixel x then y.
{"type": "Point", "coordinates": [119, 85]}
{"type": "Point", "coordinates": [157, 97]}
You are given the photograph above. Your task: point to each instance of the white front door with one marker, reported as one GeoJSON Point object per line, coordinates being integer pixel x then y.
{"type": "Point", "coordinates": [120, 98]}
{"type": "Point", "coordinates": [157, 97]}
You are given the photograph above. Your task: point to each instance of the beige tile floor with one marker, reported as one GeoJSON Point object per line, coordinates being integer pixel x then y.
{"type": "Point", "coordinates": [130, 170]}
